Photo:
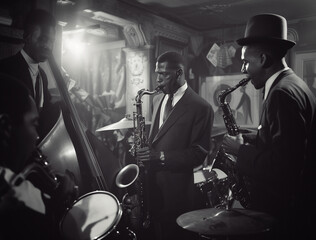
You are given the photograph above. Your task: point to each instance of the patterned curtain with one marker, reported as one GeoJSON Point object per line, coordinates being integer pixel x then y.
{"type": "Point", "coordinates": [99, 86]}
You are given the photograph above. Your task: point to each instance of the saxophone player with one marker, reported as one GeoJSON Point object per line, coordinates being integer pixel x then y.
{"type": "Point", "coordinates": [179, 139]}
{"type": "Point", "coordinates": [279, 161]}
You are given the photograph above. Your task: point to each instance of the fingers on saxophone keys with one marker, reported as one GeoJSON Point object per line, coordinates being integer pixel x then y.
{"type": "Point", "coordinates": [226, 136]}
{"type": "Point", "coordinates": [143, 151]}
{"type": "Point", "coordinates": [143, 158]}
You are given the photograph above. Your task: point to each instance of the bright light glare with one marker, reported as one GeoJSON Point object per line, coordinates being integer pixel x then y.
{"type": "Point", "coordinates": [74, 45]}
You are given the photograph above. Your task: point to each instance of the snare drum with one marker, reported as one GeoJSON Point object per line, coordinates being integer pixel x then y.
{"type": "Point", "coordinates": [93, 216]}
{"type": "Point", "coordinates": [214, 186]}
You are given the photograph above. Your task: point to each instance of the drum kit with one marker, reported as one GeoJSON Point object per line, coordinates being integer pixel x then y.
{"type": "Point", "coordinates": [220, 219]}
{"type": "Point", "coordinates": [97, 214]}
{"type": "Point", "coordinates": [89, 219]}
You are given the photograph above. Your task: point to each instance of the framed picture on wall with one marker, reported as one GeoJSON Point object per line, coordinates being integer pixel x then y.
{"type": "Point", "coordinates": [245, 102]}
{"type": "Point", "coordinates": [305, 68]}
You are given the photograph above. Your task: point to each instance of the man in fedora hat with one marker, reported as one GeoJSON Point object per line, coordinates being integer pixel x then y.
{"type": "Point", "coordinates": [277, 163]}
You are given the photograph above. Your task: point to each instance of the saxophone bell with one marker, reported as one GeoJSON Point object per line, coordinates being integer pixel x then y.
{"type": "Point", "coordinates": [127, 176]}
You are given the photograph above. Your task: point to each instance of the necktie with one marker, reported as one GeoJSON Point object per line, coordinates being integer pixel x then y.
{"type": "Point", "coordinates": [168, 107]}
{"type": "Point", "coordinates": [37, 90]}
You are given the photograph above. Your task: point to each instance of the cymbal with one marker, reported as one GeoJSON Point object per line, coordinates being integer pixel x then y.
{"type": "Point", "coordinates": [122, 124]}
{"type": "Point", "coordinates": [222, 222]}
{"type": "Point", "coordinates": [221, 131]}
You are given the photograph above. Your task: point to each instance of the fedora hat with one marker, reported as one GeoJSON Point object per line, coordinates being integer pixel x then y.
{"type": "Point", "coordinates": [270, 28]}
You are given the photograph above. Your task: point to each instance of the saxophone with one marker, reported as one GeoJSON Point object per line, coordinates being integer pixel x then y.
{"type": "Point", "coordinates": [224, 160]}
{"type": "Point", "coordinates": [134, 176]}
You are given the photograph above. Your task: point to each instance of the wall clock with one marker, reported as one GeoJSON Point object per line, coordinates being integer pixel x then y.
{"type": "Point", "coordinates": [136, 65]}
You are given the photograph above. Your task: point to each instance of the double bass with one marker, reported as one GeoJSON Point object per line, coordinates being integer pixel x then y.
{"type": "Point", "coordinates": [67, 147]}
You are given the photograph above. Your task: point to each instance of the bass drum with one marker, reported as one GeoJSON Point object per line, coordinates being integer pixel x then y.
{"type": "Point", "coordinates": [93, 216]}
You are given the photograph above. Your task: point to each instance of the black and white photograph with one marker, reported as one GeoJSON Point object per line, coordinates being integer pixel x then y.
{"type": "Point", "coordinates": [157, 119]}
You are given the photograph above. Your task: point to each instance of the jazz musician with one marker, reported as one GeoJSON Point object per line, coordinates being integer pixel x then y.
{"type": "Point", "coordinates": [26, 211]}
{"type": "Point", "coordinates": [181, 130]}
{"type": "Point", "coordinates": [280, 163]}
{"type": "Point", "coordinates": [38, 37]}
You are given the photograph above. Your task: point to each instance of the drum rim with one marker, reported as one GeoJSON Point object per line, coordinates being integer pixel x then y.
{"type": "Point", "coordinates": [115, 222]}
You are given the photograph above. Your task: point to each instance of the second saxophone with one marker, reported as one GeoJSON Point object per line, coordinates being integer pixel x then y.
{"type": "Point", "coordinates": [222, 159]}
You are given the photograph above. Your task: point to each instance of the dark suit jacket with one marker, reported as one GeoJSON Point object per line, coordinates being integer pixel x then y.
{"type": "Point", "coordinates": [183, 135]}
{"type": "Point", "coordinates": [17, 67]}
{"type": "Point", "coordinates": [277, 161]}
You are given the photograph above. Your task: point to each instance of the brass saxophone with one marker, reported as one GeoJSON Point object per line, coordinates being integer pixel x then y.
{"type": "Point", "coordinates": [224, 160]}
{"type": "Point", "coordinates": [134, 176]}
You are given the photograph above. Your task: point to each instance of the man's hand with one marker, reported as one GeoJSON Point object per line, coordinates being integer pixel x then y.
{"type": "Point", "coordinates": [146, 154]}
{"type": "Point", "coordinates": [231, 144]}
{"type": "Point", "coordinates": [67, 190]}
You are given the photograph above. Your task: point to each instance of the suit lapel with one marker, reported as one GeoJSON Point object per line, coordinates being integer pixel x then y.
{"type": "Point", "coordinates": [281, 75]}
{"type": "Point", "coordinates": [155, 112]}
{"type": "Point", "coordinates": [178, 110]}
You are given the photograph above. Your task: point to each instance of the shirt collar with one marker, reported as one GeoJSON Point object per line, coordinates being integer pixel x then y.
{"type": "Point", "coordinates": [33, 66]}
{"type": "Point", "coordinates": [270, 81]}
{"type": "Point", "coordinates": [181, 89]}
{"type": "Point", "coordinates": [176, 98]}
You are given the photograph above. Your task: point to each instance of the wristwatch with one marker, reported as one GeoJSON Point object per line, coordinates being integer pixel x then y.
{"type": "Point", "coordinates": [162, 158]}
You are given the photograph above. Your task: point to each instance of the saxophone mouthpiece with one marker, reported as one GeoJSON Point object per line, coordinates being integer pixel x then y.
{"type": "Point", "coordinates": [158, 88]}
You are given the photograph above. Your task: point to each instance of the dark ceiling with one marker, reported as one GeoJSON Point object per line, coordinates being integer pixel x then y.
{"type": "Point", "coordinates": [204, 15]}
{"type": "Point", "coordinates": [200, 15]}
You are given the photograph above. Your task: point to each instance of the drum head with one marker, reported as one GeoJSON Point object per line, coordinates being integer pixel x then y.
{"type": "Point", "coordinates": [93, 216]}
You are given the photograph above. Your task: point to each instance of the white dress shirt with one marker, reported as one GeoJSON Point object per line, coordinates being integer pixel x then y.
{"type": "Point", "coordinates": [176, 97]}
{"type": "Point", "coordinates": [34, 72]}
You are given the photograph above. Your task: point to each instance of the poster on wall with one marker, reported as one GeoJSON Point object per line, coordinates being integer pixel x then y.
{"type": "Point", "coordinates": [244, 101]}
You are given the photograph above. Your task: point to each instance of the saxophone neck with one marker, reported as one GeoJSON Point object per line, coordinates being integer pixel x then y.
{"type": "Point", "coordinates": [244, 81]}
{"type": "Point", "coordinates": [224, 93]}
{"type": "Point", "coordinates": [144, 91]}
